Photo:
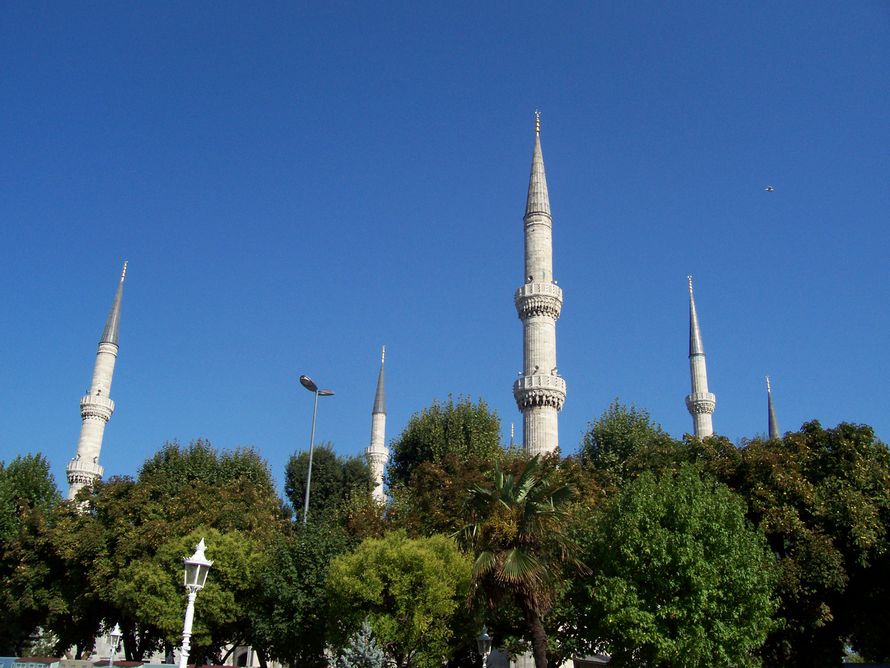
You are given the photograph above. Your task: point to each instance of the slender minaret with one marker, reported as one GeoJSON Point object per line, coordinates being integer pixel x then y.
{"type": "Point", "coordinates": [539, 391]}
{"type": "Point", "coordinates": [771, 413]}
{"type": "Point", "coordinates": [700, 402]}
{"type": "Point", "coordinates": [377, 452]}
{"type": "Point", "coordinates": [96, 407]}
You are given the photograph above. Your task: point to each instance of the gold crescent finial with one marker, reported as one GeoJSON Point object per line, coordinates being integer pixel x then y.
{"type": "Point", "coordinates": [124, 272]}
{"type": "Point", "coordinates": [537, 122]}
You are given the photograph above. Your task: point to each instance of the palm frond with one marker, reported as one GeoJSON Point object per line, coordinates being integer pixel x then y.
{"type": "Point", "coordinates": [485, 563]}
{"type": "Point", "coordinates": [528, 479]}
{"type": "Point", "coordinates": [520, 567]}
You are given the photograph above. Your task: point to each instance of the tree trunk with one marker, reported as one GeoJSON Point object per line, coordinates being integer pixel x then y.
{"type": "Point", "coordinates": [539, 635]}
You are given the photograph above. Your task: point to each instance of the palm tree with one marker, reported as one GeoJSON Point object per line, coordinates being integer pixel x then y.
{"type": "Point", "coordinates": [515, 527]}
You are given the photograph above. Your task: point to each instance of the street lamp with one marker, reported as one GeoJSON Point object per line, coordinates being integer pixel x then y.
{"type": "Point", "coordinates": [483, 644]}
{"type": "Point", "coordinates": [196, 568]}
{"type": "Point", "coordinates": [306, 382]}
{"type": "Point", "coordinates": [115, 636]}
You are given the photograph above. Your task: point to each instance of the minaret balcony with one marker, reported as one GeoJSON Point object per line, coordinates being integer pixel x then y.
{"type": "Point", "coordinates": [96, 406]}
{"type": "Point", "coordinates": [539, 390]}
{"type": "Point", "coordinates": [536, 299]}
{"type": "Point", "coordinates": [700, 403]}
{"type": "Point", "coordinates": [83, 471]}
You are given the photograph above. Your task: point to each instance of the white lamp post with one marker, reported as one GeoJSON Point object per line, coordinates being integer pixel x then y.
{"type": "Point", "coordinates": [483, 644]}
{"type": "Point", "coordinates": [115, 636]}
{"type": "Point", "coordinates": [307, 382]}
{"type": "Point", "coordinates": [196, 568]}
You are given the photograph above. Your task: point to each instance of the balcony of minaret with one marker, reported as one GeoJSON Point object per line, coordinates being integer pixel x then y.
{"type": "Point", "coordinates": [540, 390]}
{"type": "Point", "coordinates": [538, 299]}
{"type": "Point", "coordinates": [96, 406]}
{"type": "Point", "coordinates": [83, 471]}
{"type": "Point", "coordinates": [700, 403]}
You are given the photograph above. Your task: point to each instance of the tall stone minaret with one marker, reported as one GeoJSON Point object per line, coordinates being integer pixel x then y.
{"type": "Point", "coordinates": [377, 453]}
{"type": "Point", "coordinates": [700, 402]}
{"type": "Point", "coordinates": [539, 391]}
{"type": "Point", "coordinates": [771, 413]}
{"type": "Point", "coordinates": [96, 407]}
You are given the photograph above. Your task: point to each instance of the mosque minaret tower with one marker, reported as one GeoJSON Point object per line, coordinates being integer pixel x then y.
{"type": "Point", "coordinates": [539, 391]}
{"type": "Point", "coordinates": [377, 453]}
{"type": "Point", "coordinates": [96, 407]}
{"type": "Point", "coordinates": [700, 402]}
{"type": "Point", "coordinates": [771, 413]}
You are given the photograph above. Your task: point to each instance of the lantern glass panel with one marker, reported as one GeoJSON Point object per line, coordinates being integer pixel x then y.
{"type": "Point", "coordinates": [201, 575]}
{"type": "Point", "coordinates": [191, 574]}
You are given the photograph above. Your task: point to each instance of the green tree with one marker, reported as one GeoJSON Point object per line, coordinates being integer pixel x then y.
{"type": "Point", "coordinates": [29, 575]}
{"type": "Point", "coordinates": [463, 429]}
{"type": "Point", "coordinates": [25, 485]}
{"type": "Point", "coordinates": [822, 499]}
{"type": "Point", "coordinates": [679, 577]}
{"type": "Point", "coordinates": [616, 437]}
{"type": "Point", "coordinates": [290, 615]}
{"type": "Point", "coordinates": [410, 591]}
{"type": "Point", "coordinates": [433, 500]}
{"type": "Point", "coordinates": [515, 527]}
{"type": "Point", "coordinates": [335, 480]}
{"type": "Point", "coordinates": [116, 556]}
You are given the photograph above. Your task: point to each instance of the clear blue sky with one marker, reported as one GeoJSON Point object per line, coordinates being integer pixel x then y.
{"type": "Point", "coordinates": [297, 184]}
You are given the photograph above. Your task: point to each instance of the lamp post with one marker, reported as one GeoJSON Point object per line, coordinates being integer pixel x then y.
{"type": "Point", "coordinates": [483, 644]}
{"type": "Point", "coordinates": [196, 568]}
{"type": "Point", "coordinates": [307, 382]}
{"type": "Point", "coordinates": [115, 635]}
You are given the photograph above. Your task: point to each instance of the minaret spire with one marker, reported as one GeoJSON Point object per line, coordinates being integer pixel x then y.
{"type": "Point", "coordinates": [96, 407]}
{"type": "Point", "coordinates": [112, 325]}
{"type": "Point", "coordinates": [539, 391]}
{"type": "Point", "coordinates": [771, 413]}
{"type": "Point", "coordinates": [700, 402]}
{"type": "Point", "coordinates": [377, 452]}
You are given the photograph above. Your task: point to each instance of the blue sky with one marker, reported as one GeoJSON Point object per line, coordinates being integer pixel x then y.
{"type": "Point", "coordinates": [297, 184]}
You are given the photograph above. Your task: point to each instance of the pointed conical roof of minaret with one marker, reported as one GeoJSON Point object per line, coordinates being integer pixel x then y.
{"type": "Point", "coordinates": [695, 344]}
{"type": "Point", "coordinates": [538, 199]}
{"type": "Point", "coordinates": [112, 325]}
{"type": "Point", "coordinates": [771, 413]}
{"type": "Point", "coordinates": [380, 397]}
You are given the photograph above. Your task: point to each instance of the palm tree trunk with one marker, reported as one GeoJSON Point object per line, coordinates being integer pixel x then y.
{"type": "Point", "coordinates": [539, 635]}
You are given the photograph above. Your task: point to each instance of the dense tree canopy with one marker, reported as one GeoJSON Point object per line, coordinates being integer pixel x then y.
{"type": "Point", "coordinates": [463, 429]}
{"type": "Point", "coordinates": [679, 577]}
{"type": "Point", "coordinates": [291, 611]}
{"type": "Point", "coordinates": [616, 437]}
{"type": "Point", "coordinates": [123, 558]}
{"type": "Point", "coordinates": [29, 575]}
{"type": "Point", "coordinates": [335, 480]}
{"type": "Point", "coordinates": [25, 485]}
{"type": "Point", "coordinates": [676, 576]}
{"type": "Point", "coordinates": [411, 591]}
{"type": "Point", "coordinates": [822, 499]}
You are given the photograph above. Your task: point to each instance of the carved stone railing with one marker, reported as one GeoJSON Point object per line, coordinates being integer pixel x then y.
{"type": "Point", "coordinates": [96, 406]}
{"type": "Point", "coordinates": [538, 299]}
{"type": "Point", "coordinates": [701, 403]}
{"type": "Point", "coordinates": [540, 390]}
